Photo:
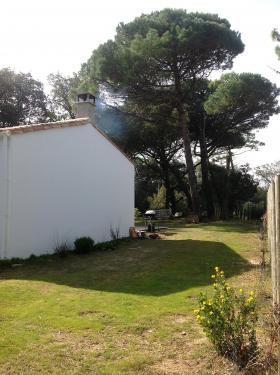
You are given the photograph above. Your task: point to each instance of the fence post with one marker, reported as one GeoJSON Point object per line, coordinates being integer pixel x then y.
{"type": "Point", "coordinates": [272, 238]}
{"type": "Point", "coordinates": [277, 236]}
{"type": "Point", "coordinates": [273, 231]}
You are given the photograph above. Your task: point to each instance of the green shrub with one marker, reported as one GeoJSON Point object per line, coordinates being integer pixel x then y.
{"type": "Point", "coordinates": [229, 320]}
{"type": "Point", "coordinates": [137, 213]}
{"type": "Point", "coordinates": [109, 245]}
{"type": "Point", "coordinates": [84, 245]}
{"type": "Point", "coordinates": [5, 263]}
{"type": "Point", "coordinates": [157, 201]}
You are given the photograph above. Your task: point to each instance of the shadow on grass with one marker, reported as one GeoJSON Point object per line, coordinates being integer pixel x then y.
{"type": "Point", "coordinates": [154, 268]}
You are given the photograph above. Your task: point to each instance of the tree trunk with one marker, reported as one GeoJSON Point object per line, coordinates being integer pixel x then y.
{"type": "Point", "coordinates": [225, 211]}
{"type": "Point", "coordinates": [170, 197]}
{"type": "Point", "coordinates": [184, 126]}
{"type": "Point", "coordinates": [217, 191]}
{"type": "Point", "coordinates": [189, 161]}
{"type": "Point", "coordinates": [206, 184]}
{"type": "Point", "coordinates": [182, 186]}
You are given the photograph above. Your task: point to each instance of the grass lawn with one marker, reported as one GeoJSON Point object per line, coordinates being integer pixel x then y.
{"type": "Point", "coordinates": [128, 311]}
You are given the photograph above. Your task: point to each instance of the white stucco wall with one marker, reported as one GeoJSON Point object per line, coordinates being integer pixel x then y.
{"type": "Point", "coordinates": [62, 184]}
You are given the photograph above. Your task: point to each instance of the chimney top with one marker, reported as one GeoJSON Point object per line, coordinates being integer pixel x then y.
{"type": "Point", "coordinates": [85, 106]}
{"type": "Point", "coordinates": [86, 98]}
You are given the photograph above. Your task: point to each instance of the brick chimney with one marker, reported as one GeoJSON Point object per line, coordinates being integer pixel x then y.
{"type": "Point", "coordinates": [85, 106]}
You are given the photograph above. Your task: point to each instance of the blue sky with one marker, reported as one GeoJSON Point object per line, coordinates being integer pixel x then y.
{"type": "Point", "coordinates": [44, 37]}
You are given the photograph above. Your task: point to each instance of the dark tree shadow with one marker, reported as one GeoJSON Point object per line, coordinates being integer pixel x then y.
{"type": "Point", "coordinates": [155, 268]}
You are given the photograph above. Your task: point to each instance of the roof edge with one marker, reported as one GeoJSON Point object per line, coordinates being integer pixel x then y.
{"type": "Point", "coordinates": [44, 126]}
{"type": "Point", "coordinates": [21, 129]}
{"type": "Point", "coordinates": [110, 140]}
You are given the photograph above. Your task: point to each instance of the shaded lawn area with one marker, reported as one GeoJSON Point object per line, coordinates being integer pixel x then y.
{"type": "Point", "coordinates": [127, 311]}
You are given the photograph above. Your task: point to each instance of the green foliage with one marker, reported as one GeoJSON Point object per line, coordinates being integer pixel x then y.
{"type": "Point", "coordinates": [276, 37]}
{"type": "Point", "coordinates": [241, 186]}
{"type": "Point", "coordinates": [143, 50]}
{"type": "Point", "coordinates": [181, 202]}
{"type": "Point", "coordinates": [63, 95]}
{"type": "Point", "coordinates": [253, 211]}
{"type": "Point", "coordinates": [64, 90]}
{"type": "Point", "coordinates": [22, 99]}
{"type": "Point", "coordinates": [84, 245]}
{"type": "Point", "coordinates": [154, 58]}
{"type": "Point", "coordinates": [157, 201]}
{"type": "Point", "coordinates": [5, 263]}
{"type": "Point", "coordinates": [229, 321]}
{"type": "Point", "coordinates": [108, 245]}
{"type": "Point", "coordinates": [137, 213]}
{"type": "Point", "coordinates": [266, 172]}
{"type": "Point", "coordinates": [244, 101]}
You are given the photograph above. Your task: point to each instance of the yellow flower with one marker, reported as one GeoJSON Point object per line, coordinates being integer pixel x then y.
{"type": "Point", "coordinates": [222, 273]}
{"type": "Point", "coordinates": [213, 276]}
{"type": "Point", "coordinates": [252, 293]}
{"type": "Point", "coordinates": [211, 313]}
{"type": "Point", "coordinates": [241, 290]}
{"type": "Point", "coordinates": [198, 317]}
{"type": "Point", "coordinates": [217, 269]}
{"type": "Point", "coordinates": [196, 311]}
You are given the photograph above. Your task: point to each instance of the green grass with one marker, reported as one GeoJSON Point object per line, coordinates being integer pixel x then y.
{"type": "Point", "coordinates": [127, 311]}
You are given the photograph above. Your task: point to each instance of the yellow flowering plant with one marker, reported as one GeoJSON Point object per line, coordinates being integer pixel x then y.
{"type": "Point", "coordinates": [229, 320]}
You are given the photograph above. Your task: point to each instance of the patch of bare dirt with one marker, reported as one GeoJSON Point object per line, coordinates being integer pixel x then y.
{"type": "Point", "coordinates": [199, 366]}
{"type": "Point", "coordinates": [172, 366]}
{"type": "Point", "coordinates": [255, 261]}
{"type": "Point", "coordinates": [76, 342]}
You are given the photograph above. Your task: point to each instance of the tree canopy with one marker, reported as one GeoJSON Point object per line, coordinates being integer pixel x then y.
{"type": "Point", "coordinates": [276, 37]}
{"type": "Point", "coordinates": [240, 104]}
{"type": "Point", "coordinates": [157, 54]}
{"type": "Point", "coordinates": [22, 99]}
{"type": "Point", "coordinates": [266, 172]}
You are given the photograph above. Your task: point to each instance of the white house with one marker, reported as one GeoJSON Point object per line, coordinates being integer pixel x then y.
{"type": "Point", "coordinates": [60, 181]}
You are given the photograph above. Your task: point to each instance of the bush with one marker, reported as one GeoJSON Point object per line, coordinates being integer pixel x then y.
{"type": "Point", "coordinates": [229, 320]}
{"type": "Point", "coordinates": [84, 245]}
{"type": "Point", "coordinates": [137, 213]}
{"type": "Point", "coordinates": [5, 263]}
{"type": "Point", "coordinates": [109, 245]}
{"type": "Point", "coordinates": [62, 249]}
